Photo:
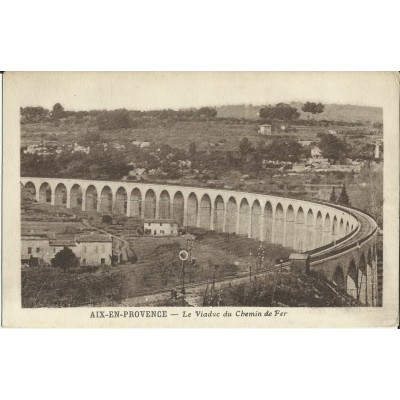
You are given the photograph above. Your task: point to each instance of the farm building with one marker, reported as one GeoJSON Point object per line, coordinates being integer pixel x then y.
{"type": "Point", "coordinates": [94, 249]}
{"type": "Point", "coordinates": [160, 227]}
{"type": "Point", "coordinates": [265, 129]}
{"type": "Point", "coordinates": [35, 249]}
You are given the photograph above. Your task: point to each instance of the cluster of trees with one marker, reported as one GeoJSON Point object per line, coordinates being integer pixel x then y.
{"type": "Point", "coordinates": [29, 115]}
{"type": "Point", "coordinates": [332, 147]}
{"type": "Point", "coordinates": [280, 112]}
{"type": "Point", "coordinates": [313, 108]}
{"type": "Point", "coordinates": [342, 198]}
{"type": "Point", "coordinates": [112, 119]}
{"type": "Point", "coordinates": [65, 259]}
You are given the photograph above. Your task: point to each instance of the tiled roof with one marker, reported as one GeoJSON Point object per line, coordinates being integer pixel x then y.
{"type": "Point", "coordinates": [62, 242]}
{"type": "Point", "coordinates": [93, 238]}
{"type": "Point", "coordinates": [162, 221]}
{"type": "Point", "coordinates": [34, 237]}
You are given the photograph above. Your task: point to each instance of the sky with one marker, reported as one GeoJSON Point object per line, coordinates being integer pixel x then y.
{"type": "Point", "coordinates": [158, 90]}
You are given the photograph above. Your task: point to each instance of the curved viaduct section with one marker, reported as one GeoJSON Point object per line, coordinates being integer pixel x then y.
{"type": "Point", "coordinates": [340, 241]}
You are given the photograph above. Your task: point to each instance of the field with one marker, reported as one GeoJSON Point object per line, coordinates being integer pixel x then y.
{"type": "Point", "coordinates": [209, 134]}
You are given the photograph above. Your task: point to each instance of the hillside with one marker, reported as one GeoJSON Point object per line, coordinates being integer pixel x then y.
{"type": "Point", "coordinates": [332, 112]}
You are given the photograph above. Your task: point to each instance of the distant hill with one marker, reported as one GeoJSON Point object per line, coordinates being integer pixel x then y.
{"type": "Point", "coordinates": [332, 112]}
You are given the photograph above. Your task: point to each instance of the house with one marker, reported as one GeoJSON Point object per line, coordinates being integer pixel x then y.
{"type": "Point", "coordinates": [265, 129]}
{"type": "Point", "coordinates": [57, 245]}
{"type": "Point", "coordinates": [35, 249]}
{"type": "Point", "coordinates": [94, 249]}
{"type": "Point", "coordinates": [316, 152]}
{"type": "Point", "coordinates": [138, 173]}
{"type": "Point", "coordinates": [316, 157]}
{"type": "Point", "coordinates": [160, 227]}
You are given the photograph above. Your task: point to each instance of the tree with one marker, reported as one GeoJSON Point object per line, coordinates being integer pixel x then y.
{"type": "Point", "coordinates": [344, 197]}
{"type": "Point", "coordinates": [313, 108]}
{"type": "Point", "coordinates": [245, 147]}
{"type": "Point", "coordinates": [207, 112]}
{"type": "Point", "coordinates": [65, 259]}
{"type": "Point", "coordinates": [116, 119]}
{"type": "Point", "coordinates": [281, 112]}
{"type": "Point", "coordinates": [106, 219]}
{"type": "Point", "coordinates": [33, 114]}
{"type": "Point", "coordinates": [333, 196]}
{"type": "Point", "coordinates": [57, 112]}
{"type": "Point", "coordinates": [332, 147]}
{"type": "Point", "coordinates": [284, 150]}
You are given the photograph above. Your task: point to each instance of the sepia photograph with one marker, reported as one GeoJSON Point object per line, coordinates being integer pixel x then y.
{"type": "Point", "coordinates": [206, 190]}
{"type": "Point", "coordinates": [177, 191]}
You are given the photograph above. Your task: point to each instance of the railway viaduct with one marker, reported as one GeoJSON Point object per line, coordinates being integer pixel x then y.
{"type": "Point", "coordinates": [338, 241]}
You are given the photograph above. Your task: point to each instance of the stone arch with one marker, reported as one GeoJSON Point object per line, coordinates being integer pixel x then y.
{"type": "Point", "coordinates": [45, 193]}
{"type": "Point", "coordinates": [327, 237]}
{"type": "Point", "coordinates": [31, 189]}
{"type": "Point", "coordinates": [341, 228]}
{"type": "Point", "coordinates": [335, 228]}
{"type": "Point", "coordinates": [347, 228]}
{"type": "Point", "coordinates": [351, 280]}
{"type": "Point", "coordinates": [255, 220]}
{"type": "Point", "coordinates": [135, 203]}
{"type": "Point", "coordinates": [267, 222]}
{"type": "Point", "coordinates": [279, 224]}
{"type": "Point", "coordinates": [244, 213]}
{"type": "Point", "coordinates": [231, 215]}
{"type": "Point", "coordinates": [178, 208]}
{"type": "Point", "coordinates": [338, 278]}
{"type": "Point", "coordinates": [290, 223]}
{"type": "Point", "coordinates": [60, 195]}
{"type": "Point", "coordinates": [91, 198]}
{"type": "Point", "coordinates": [75, 197]}
{"type": "Point", "coordinates": [150, 201]}
{"type": "Point", "coordinates": [192, 209]}
{"type": "Point", "coordinates": [219, 211]}
{"type": "Point", "coordinates": [121, 201]}
{"type": "Point", "coordinates": [319, 230]}
{"type": "Point", "coordinates": [106, 200]}
{"type": "Point", "coordinates": [164, 205]}
{"type": "Point", "coordinates": [310, 230]}
{"type": "Point", "coordinates": [300, 230]}
{"type": "Point", "coordinates": [205, 212]}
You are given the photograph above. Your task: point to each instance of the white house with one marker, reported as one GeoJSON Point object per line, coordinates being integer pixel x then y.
{"type": "Point", "coordinates": [94, 249]}
{"type": "Point", "coordinates": [316, 152]}
{"type": "Point", "coordinates": [160, 227]}
{"type": "Point", "coordinates": [35, 248]}
{"type": "Point", "coordinates": [265, 129]}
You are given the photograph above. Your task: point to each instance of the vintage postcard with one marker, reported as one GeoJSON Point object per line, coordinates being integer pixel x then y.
{"type": "Point", "coordinates": [200, 199]}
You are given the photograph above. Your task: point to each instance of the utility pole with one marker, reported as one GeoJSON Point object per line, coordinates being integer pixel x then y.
{"type": "Point", "coordinates": [213, 285]}
{"type": "Point", "coordinates": [190, 248]}
{"type": "Point", "coordinates": [183, 277]}
{"type": "Point", "coordinates": [250, 266]}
